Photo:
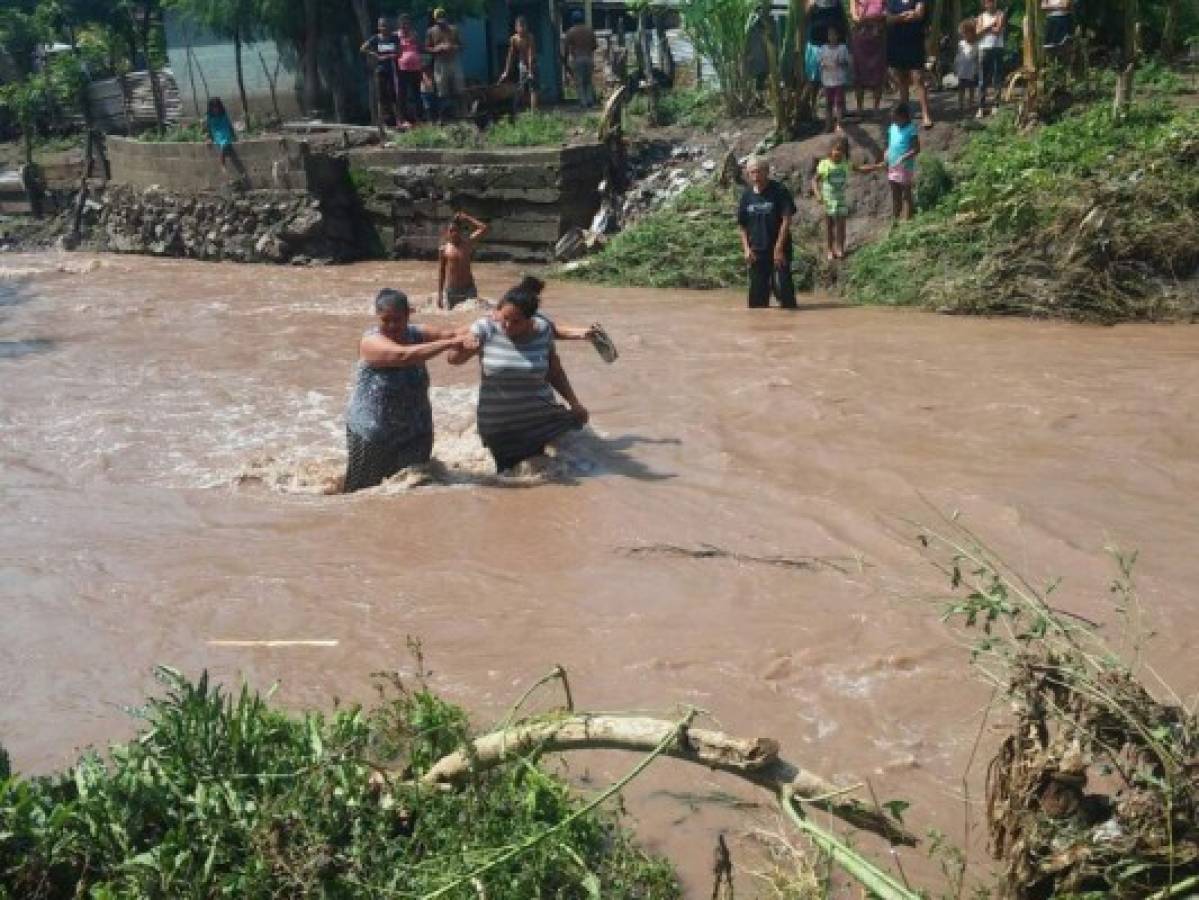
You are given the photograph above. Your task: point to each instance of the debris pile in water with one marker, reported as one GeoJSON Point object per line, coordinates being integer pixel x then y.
{"type": "Point", "coordinates": [1095, 792]}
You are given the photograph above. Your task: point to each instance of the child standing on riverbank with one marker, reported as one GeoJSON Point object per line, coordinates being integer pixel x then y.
{"type": "Point", "coordinates": [834, 76]}
{"type": "Point", "coordinates": [831, 187]}
{"type": "Point", "coordinates": [903, 146]}
{"type": "Point", "coordinates": [966, 63]}
{"type": "Point", "coordinates": [455, 280]}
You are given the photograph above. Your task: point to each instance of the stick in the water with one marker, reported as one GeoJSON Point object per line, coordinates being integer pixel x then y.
{"type": "Point", "coordinates": [272, 643]}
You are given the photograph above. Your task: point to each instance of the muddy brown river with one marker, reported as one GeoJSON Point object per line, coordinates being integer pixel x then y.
{"type": "Point", "coordinates": [166, 429]}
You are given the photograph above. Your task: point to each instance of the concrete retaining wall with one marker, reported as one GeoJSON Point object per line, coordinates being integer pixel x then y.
{"type": "Point", "coordinates": [173, 199]}
{"type": "Point", "coordinates": [529, 197]}
{"type": "Point", "coordinates": [273, 164]}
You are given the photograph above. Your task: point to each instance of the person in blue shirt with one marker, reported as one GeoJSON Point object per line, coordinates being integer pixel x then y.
{"type": "Point", "coordinates": [903, 146]}
{"type": "Point", "coordinates": [220, 130]}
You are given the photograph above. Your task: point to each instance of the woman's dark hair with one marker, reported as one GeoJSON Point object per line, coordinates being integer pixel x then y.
{"type": "Point", "coordinates": [526, 296]}
{"type": "Point", "coordinates": [902, 111]}
{"type": "Point", "coordinates": [216, 107]}
{"type": "Point", "coordinates": [391, 300]}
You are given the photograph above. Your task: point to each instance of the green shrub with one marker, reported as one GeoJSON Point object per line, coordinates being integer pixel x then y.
{"type": "Point", "coordinates": [184, 132]}
{"type": "Point", "coordinates": [529, 129]}
{"type": "Point", "coordinates": [688, 107]}
{"type": "Point", "coordinates": [1089, 218]}
{"type": "Point", "coordinates": [933, 181]}
{"type": "Point", "coordinates": [436, 137]}
{"type": "Point", "coordinates": [223, 795]}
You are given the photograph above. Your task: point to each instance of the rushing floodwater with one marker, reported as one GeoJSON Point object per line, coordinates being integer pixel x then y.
{"type": "Point", "coordinates": [167, 429]}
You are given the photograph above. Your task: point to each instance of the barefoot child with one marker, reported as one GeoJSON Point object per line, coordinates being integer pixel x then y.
{"type": "Point", "coordinates": [966, 63]}
{"type": "Point", "coordinates": [831, 187]}
{"type": "Point", "coordinates": [903, 146]}
{"type": "Point", "coordinates": [455, 281]}
{"type": "Point", "coordinates": [834, 76]}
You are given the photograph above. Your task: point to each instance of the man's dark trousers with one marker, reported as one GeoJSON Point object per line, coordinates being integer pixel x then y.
{"type": "Point", "coordinates": [765, 277]}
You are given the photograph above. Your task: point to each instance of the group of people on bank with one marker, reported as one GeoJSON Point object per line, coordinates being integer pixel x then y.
{"type": "Point", "coordinates": [859, 44]}
{"type": "Point", "coordinates": [416, 80]}
{"type": "Point", "coordinates": [423, 80]}
{"type": "Point", "coordinates": [885, 34]}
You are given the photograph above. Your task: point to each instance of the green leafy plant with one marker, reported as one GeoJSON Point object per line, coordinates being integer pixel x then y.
{"type": "Point", "coordinates": [529, 129]}
{"type": "Point", "coordinates": [1090, 218]}
{"type": "Point", "coordinates": [720, 31]}
{"type": "Point", "coordinates": [222, 794]}
{"type": "Point", "coordinates": [933, 182]}
{"type": "Point", "coordinates": [689, 108]}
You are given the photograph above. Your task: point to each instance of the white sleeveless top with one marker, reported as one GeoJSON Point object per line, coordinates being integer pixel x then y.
{"type": "Point", "coordinates": [989, 41]}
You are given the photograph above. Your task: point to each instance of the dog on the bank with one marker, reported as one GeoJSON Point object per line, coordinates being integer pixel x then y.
{"type": "Point", "coordinates": [489, 103]}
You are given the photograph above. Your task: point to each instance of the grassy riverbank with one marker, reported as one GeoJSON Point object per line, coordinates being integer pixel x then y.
{"type": "Point", "coordinates": [1092, 218]}
{"type": "Point", "coordinates": [224, 795]}
{"type": "Point", "coordinates": [690, 242]}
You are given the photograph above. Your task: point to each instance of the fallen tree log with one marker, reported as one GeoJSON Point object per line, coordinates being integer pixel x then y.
{"type": "Point", "coordinates": [753, 759]}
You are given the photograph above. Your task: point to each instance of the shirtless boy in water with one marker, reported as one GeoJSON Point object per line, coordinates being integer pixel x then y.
{"type": "Point", "coordinates": [455, 281]}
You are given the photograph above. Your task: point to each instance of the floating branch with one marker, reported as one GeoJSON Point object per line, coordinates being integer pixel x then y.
{"type": "Point", "coordinates": [842, 564]}
{"type": "Point", "coordinates": [753, 759]}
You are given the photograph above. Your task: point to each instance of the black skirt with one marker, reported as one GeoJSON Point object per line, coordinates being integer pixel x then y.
{"type": "Point", "coordinates": [369, 463]}
{"type": "Point", "coordinates": [905, 46]}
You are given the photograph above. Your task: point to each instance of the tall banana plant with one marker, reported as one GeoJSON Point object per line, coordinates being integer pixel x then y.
{"type": "Point", "coordinates": [720, 31]}
{"type": "Point", "coordinates": [790, 94]}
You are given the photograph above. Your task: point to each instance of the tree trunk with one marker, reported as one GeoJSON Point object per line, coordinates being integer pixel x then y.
{"type": "Point", "coordinates": [645, 63]}
{"type": "Point", "coordinates": [312, 77]}
{"type": "Point", "coordinates": [1131, 13]}
{"type": "Point", "coordinates": [155, 91]}
{"type": "Point", "coordinates": [778, 104]}
{"type": "Point", "coordinates": [363, 14]}
{"type": "Point", "coordinates": [1032, 38]}
{"type": "Point", "coordinates": [272, 80]}
{"type": "Point", "coordinates": [1131, 53]}
{"type": "Point", "coordinates": [191, 77]}
{"type": "Point", "coordinates": [241, 79]}
{"type": "Point", "coordinates": [1170, 29]}
{"type": "Point", "coordinates": [664, 51]}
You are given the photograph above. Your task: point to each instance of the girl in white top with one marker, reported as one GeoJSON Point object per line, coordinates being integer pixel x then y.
{"type": "Point", "coordinates": [834, 76]}
{"type": "Point", "coordinates": [990, 25]}
{"type": "Point", "coordinates": [965, 63]}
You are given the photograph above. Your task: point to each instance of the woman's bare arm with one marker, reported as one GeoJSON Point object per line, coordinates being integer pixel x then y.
{"type": "Point", "coordinates": [561, 383]}
{"type": "Point", "coordinates": [572, 332]}
{"type": "Point", "coordinates": [432, 333]}
{"type": "Point", "coordinates": [383, 353]}
{"type": "Point", "coordinates": [468, 348]}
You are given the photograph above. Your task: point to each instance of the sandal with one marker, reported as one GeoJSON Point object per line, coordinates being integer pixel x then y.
{"type": "Point", "coordinates": [603, 344]}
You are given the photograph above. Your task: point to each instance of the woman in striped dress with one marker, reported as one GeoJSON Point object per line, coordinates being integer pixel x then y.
{"type": "Point", "coordinates": [517, 413]}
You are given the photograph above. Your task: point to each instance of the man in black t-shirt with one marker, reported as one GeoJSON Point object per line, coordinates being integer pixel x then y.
{"type": "Point", "coordinates": [764, 216]}
{"type": "Point", "coordinates": [385, 49]}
